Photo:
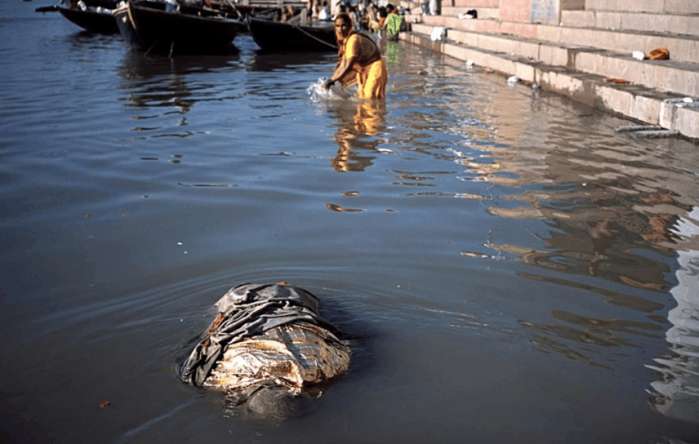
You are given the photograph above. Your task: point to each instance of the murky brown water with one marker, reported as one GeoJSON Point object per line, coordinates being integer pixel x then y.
{"type": "Point", "coordinates": [514, 269]}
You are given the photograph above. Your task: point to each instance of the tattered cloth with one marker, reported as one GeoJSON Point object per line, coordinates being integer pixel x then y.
{"type": "Point", "coordinates": [246, 311]}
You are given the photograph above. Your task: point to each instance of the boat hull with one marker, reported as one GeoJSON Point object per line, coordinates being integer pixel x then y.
{"type": "Point", "coordinates": [276, 36]}
{"type": "Point", "coordinates": [144, 25]}
{"type": "Point", "coordinates": [96, 22]}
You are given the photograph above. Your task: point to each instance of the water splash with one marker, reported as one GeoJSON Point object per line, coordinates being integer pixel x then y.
{"type": "Point", "coordinates": [318, 92]}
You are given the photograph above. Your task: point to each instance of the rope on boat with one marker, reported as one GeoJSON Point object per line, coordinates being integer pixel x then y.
{"type": "Point", "coordinates": [314, 37]}
{"type": "Point", "coordinates": [233, 7]}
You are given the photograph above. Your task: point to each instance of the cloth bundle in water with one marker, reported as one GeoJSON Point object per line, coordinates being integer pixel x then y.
{"type": "Point", "coordinates": [267, 334]}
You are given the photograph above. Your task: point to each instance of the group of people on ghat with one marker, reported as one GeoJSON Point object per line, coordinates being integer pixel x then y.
{"type": "Point", "coordinates": [385, 21]}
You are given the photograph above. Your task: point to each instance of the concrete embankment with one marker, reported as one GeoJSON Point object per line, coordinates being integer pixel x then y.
{"type": "Point", "coordinates": [586, 55]}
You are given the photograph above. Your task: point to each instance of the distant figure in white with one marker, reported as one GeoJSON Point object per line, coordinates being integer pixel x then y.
{"type": "Point", "coordinates": [434, 6]}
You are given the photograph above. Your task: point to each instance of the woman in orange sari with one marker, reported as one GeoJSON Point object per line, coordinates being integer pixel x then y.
{"type": "Point", "coordinates": [359, 62]}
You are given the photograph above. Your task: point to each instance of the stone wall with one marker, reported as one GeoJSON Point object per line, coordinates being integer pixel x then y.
{"type": "Point", "coordinates": [537, 11]}
{"type": "Point", "coordinates": [571, 5]}
{"type": "Point", "coordinates": [515, 10]}
{"type": "Point", "coordinates": [652, 6]}
{"type": "Point", "coordinates": [475, 3]}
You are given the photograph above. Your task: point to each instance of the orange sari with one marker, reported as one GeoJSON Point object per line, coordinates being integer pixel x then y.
{"type": "Point", "coordinates": [369, 68]}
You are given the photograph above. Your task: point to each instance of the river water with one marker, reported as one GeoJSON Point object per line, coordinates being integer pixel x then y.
{"type": "Point", "coordinates": [513, 270]}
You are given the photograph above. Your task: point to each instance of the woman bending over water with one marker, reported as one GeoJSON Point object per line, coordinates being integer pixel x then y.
{"type": "Point", "coordinates": [359, 61]}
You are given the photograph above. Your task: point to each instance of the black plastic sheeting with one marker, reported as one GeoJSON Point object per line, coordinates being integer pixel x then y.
{"type": "Point", "coordinates": [246, 311]}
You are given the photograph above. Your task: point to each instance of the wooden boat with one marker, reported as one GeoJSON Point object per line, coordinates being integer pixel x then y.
{"type": "Point", "coordinates": [91, 20]}
{"type": "Point", "coordinates": [96, 17]}
{"type": "Point", "coordinates": [147, 25]}
{"type": "Point", "coordinates": [278, 36]}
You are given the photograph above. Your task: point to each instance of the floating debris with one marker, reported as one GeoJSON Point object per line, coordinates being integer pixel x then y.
{"type": "Point", "coordinates": [634, 128]}
{"type": "Point", "coordinates": [476, 255]}
{"type": "Point", "coordinates": [648, 131]}
{"type": "Point", "coordinates": [340, 209]}
{"type": "Point", "coordinates": [658, 134]}
{"type": "Point", "coordinates": [206, 185]}
{"type": "Point", "coordinates": [280, 153]}
{"type": "Point", "coordinates": [468, 196]}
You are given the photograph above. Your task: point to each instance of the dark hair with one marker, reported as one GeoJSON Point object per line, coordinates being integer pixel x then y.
{"type": "Point", "coordinates": [345, 18]}
{"type": "Point", "coordinates": [382, 12]}
{"type": "Point", "coordinates": [390, 7]}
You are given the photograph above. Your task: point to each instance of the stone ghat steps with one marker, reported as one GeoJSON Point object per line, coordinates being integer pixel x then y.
{"type": "Point", "coordinates": [682, 48]}
{"type": "Point", "coordinates": [633, 101]}
{"type": "Point", "coordinates": [413, 5]}
{"type": "Point", "coordinates": [474, 4]}
{"type": "Point", "coordinates": [652, 6]}
{"type": "Point", "coordinates": [483, 13]}
{"type": "Point", "coordinates": [665, 75]}
{"type": "Point", "coordinates": [632, 21]}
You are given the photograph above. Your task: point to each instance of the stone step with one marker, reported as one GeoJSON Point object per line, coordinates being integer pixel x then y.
{"type": "Point", "coordinates": [410, 4]}
{"type": "Point", "coordinates": [665, 75]}
{"type": "Point", "coordinates": [633, 101]}
{"type": "Point", "coordinates": [533, 50]}
{"type": "Point", "coordinates": [414, 7]}
{"type": "Point", "coordinates": [483, 13]}
{"type": "Point", "coordinates": [632, 21]}
{"type": "Point", "coordinates": [472, 4]}
{"type": "Point", "coordinates": [682, 48]}
{"type": "Point", "coordinates": [653, 6]}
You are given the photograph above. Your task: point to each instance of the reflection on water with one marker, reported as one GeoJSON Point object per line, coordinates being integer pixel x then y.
{"type": "Point", "coordinates": [155, 81]}
{"type": "Point", "coordinates": [356, 134]}
{"type": "Point", "coordinates": [676, 393]}
{"type": "Point", "coordinates": [609, 209]}
{"type": "Point", "coordinates": [587, 331]}
{"type": "Point", "coordinates": [616, 218]}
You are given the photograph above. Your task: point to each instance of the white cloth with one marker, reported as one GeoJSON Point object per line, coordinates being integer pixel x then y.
{"type": "Point", "coordinates": [433, 7]}
{"type": "Point", "coordinates": [438, 34]}
{"type": "Point", "coordinates": [324, 14]}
